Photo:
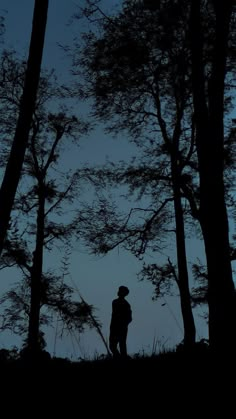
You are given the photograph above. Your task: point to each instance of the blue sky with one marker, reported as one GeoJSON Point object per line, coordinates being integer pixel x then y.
{"type": "Point", "coordinates": [97, 278]}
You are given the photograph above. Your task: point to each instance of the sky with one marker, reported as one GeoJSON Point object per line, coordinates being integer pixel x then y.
{"type": "Point", "coordinates": [156, 324]}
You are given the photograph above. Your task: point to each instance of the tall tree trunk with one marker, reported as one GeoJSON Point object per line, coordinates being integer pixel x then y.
{"type": "Point", "coordinates": [16, 158]}
{"type": "Point", "coordinates": [183, 280]}
{"type": "Point", "coordinates": [36, 278]}
{"type": "Point", "coordinates": [209, 117]}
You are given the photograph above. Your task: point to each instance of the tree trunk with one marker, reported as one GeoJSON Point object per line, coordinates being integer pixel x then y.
{"type": "Point", "coordinates": [183, 280]}
{"type": "Point", "coordinates": [209, 114]}
{"type": "Point", "coordinates": [16, 158]}
{"type": "Point", "coordinates": [36, 279]}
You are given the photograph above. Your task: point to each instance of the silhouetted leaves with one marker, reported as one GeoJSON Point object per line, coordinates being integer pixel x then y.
{"type": "Point", "coordinates": [162, 277]}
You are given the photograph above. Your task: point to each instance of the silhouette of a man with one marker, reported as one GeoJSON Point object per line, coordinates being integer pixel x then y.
{"type": "Point", "coordinates": [120, 319]}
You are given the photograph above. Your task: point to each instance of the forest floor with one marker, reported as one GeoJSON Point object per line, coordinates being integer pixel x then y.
{"type": "Point", "coordinates": [178, 382]}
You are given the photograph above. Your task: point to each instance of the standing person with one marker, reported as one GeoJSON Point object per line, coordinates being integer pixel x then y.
{"type": "Point", "coordinates": [120, 319]}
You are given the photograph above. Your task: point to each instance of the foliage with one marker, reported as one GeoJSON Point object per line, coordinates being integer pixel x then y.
{"type": "Point", "coordinates": [162, 277]}
{"type": "Point", "coordinates": [46, 192]}
{"type": "Point", "coordinates": [200, 292]}
{"type": "Point", "coordinates": [57, 302]}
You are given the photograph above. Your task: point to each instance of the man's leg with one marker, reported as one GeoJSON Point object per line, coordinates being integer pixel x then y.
{"type": "Point", "coordinates": [122, 342]}
{"type": "Point", "coordinates": [113, 342]}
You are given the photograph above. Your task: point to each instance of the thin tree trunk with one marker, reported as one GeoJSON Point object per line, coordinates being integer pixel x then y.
{"type": "Point", "coordinates": [16, 158]}
{"type": "Point", "coordinates": [183, 279]}
{"type": "Point", "coordinates": [36, 279]}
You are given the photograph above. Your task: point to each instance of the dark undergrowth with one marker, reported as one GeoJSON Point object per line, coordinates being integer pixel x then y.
{"type": "Point", "coordinates": [181, 381]}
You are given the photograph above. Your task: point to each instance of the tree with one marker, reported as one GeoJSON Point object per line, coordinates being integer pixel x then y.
{"type": "Point", "coordinates": [208, 98]}
{"type": "Point", "coordinates": [57, 304]}
{"type": "Point", "coordinates": [108, 85]}
{"type": "Point", "coordinates": [14, 166]}
{"type": "Point", "coordinates": [139, 79]}
{"type": "Point", "coordinates": [38, 206]}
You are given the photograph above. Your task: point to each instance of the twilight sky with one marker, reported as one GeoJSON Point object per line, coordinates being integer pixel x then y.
{"type": "Point", "coordinates": [154, 323]}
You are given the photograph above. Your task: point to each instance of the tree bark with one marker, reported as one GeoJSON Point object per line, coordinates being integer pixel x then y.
{"type": "Point", "coordinates": [16, 158]}
{"type": "Point", "coordinates": [183, 279]}
{"type": "Point", "coordinates": [209, 119]}
{"type": "Point", "coordinates": [36, 278]}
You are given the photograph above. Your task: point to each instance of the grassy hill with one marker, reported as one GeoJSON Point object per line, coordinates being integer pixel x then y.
{"type": "Point", "coordinates": [178, 382]}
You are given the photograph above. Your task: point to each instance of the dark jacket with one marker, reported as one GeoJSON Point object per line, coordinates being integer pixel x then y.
{"type": "Point", "coordinates": [121, 313]}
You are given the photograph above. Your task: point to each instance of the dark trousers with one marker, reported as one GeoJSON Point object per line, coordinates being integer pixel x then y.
{"type": "Point", "coordinates": [118, 337]}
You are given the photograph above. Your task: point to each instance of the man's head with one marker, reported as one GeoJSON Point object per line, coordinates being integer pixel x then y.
{"type": "Point", "coordinates": [123, 291]}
